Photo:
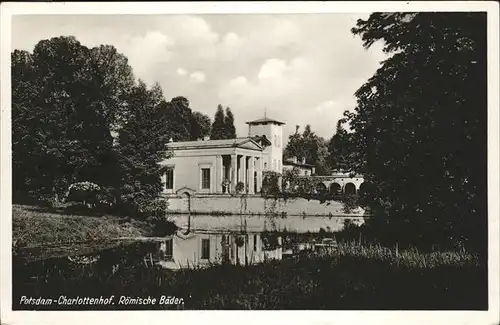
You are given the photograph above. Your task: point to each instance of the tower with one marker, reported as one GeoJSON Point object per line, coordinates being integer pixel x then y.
{"type": "Point", "coordinates": [273, 131]}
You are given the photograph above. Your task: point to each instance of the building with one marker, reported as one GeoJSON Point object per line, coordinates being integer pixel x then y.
{"type": "Point", "coordinates": [302, 167]}
{"type": "Point", "coordinates": [273, 131]}
{"type": "Point", "coordinates": [218, 166]}
{"type": "Point", "coordinates": [203, 248]}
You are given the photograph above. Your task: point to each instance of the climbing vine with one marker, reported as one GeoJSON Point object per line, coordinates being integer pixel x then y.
{"type": "Point", "coordinates": [291, 185]}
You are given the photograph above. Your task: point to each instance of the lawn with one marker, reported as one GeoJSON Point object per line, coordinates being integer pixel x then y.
{"type": "Point", "coordinates": [58, 233]}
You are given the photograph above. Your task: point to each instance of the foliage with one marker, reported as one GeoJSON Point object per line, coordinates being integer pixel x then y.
{"type": "Point", "coordinates": [230, 130]}
{"type": "Point", "coordinates": [83, 191]}
{"type": "Point", "coordinates": [270, 184]}
{"type": "Point", "coordinates": [239, 240]}
{"type": "Point", "coordinates": [218, 126]}
{"type": "Point", "coordinates": [223, 125]}
{"type": "Point", "coordinates": [270, 240]}
{"type": "Point", "coordinates": [310, 147]}
{"type": "Point", "coordinates": [420, 128]}
{"type": "Point", "coordinates": [178, 119]}
{"type": "Point", "coordinates": [200, 126]}
{"type": "Point", "coordinates": [340, 148]}
{"type": "Point", "coordinates": [142, 146]}
{"type": "Point", "coordinates": [240, 187]}
{"type": "Point", "coordinates": [65, 100]}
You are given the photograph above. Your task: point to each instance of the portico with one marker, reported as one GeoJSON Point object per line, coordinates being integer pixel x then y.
{"type": "Point", "coordinates": [214, 167]}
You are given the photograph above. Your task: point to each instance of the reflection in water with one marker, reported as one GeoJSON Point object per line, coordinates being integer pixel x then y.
{"type": "Point", "coordinates": [203, 248]}
{"type": "Point", "coordinates": [243, 240]}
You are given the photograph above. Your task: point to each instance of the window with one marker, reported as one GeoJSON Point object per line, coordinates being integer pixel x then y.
{"type": "Point", "coordinates": [205, 178]}
{"type": "Point", "coordinates": [169, 179]}
{"type": "Point", "coordinates": [168, 249]}
{"type": "Point", "coordinates": [254, 242]}
{"type": "Point", "coordinates": [205, 249]}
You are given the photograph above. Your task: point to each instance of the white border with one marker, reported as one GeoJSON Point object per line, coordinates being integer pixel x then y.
{"type": "Point", "coordinates": [290, 317]}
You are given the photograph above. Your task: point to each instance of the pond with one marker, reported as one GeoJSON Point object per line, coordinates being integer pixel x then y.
{"type": "Point", "coordinates": [260, 223]}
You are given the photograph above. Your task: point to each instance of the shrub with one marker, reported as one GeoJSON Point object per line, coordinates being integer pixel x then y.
{"type": "Point", "coordinates": [83, 192]}
{"type": "Point", "coordinates": [240, 187]}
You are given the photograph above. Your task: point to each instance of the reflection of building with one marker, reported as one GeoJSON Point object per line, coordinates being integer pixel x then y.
{"type": "Point", "coordinates": [202, 248]}
{"type": "Point", "coordinates": [302, 168]}
{"type": "Point", "coordinates": [217, 166]}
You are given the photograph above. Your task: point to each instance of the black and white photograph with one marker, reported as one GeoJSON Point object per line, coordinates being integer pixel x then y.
{"type": "Point", "coordinates": [248, 157]}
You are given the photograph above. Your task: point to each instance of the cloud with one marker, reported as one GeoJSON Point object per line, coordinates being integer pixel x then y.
{"type": "Point", "coordinates": [181, 72]}
{"type": "Point", "coordinates": [197, 76]}
{"type": "Point", "coordinates": [303, 68]}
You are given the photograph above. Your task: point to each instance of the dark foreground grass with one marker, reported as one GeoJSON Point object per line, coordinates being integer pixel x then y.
{"type": "Point", "coordinates": [352, 278]}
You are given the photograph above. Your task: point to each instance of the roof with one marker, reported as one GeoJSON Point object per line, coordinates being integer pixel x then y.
{"type": "Point", "coordinates": [223, 143]}
{"type": "Point", "coordinates": [262, 138]}
{"type": "Point", "coordinates": [265, 120]}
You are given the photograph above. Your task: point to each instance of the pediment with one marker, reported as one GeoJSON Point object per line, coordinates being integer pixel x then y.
{"type": "Point", "coordinates": [250, 144]}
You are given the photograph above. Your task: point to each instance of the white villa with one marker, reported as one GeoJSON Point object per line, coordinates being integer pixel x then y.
{"type": "Point", "coordinates": [214, 168]}
{"type": "Point", "coordinates": [217, 166]}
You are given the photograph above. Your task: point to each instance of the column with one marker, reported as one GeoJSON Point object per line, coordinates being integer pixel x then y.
{"type": "Point", "coordinates": [219, 177]}
{"type": "Point", "coordinates": [243, 170]}
{"type": "Point", "coordinates": [234, 173]}
{"type": "Point", "coordinates": [251, 172]}
{"type": "Point", "coordinates": [259, 166]}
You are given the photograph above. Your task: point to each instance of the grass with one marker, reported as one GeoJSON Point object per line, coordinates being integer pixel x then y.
{"type": "Point", "coordinates": [33, 226]}
{"type": "Point", "coordinates": [352, 277]}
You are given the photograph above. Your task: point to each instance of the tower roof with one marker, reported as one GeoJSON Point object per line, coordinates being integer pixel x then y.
{"type": "Point", "coordinates": [265, 120]}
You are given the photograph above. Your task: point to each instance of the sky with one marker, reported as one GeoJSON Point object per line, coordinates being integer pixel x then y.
{"type": "Point", "coordinates": [299, 69]}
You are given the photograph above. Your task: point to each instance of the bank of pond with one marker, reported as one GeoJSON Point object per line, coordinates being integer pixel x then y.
{"type": "Point", "coordinates": [248, 270]}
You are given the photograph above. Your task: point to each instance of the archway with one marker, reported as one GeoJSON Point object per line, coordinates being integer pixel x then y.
{"type": "Point", "coordinates": [186, 201]}
{"type": "Point", "coordinates": [362, 189]}
{"type": "Point", "coordinates": [335, 188]}
{"type": "Point", "coordinates": [321, 188]}
{"type": "Point", "coordinates": [350, 189]}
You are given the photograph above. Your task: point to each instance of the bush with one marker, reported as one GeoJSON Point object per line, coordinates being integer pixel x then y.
{"type": "Point", "coordinates": [154, 210]}
{"type": "Point", "coordinates": [270, 184]}
{"type": "Point", "coordinates": [83, 192]}
{"type": "Point", "coordinates": [240, 187]}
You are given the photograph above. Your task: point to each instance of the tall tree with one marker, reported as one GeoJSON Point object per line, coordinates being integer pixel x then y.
{"type": "Point", "coordinates": [142, 146]}
{"type": "Point", "coordinates": [230, 130]}
{"type": "Point", "coordinates": [341, 151]}
{"type": "Point", "coordinates": [75, 95]}
{"type": "Point", "coordinates": [179, 119]}
{"type": "Point", "coordinates": [200, 126]}
{"type": "Point", "coordinates": [310, 147]}
{"type": "Point", "coordinates": [218, 129]}
{"type": "Point", "coordinates": [420, 127]}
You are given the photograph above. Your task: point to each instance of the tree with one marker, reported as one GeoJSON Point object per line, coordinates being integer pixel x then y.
{"type": "Point", "coordinates": [179, 119]}
{"type": "Point", "coordinates": [342, 154]}
{"type": "Point", "coordinates": [218, 126]}
{"type": "Point", "coordinates": [142, 147]}
{"type": "Point", "coordinates": [420, 128]}
{"type": "Point", "coordinates": [230, 130]}
{"type": "Point", "coordinates": [200, 126]}
{"type": "Point", "coordinates": [66, 100]}
{"type": "Point", "coordinates": [61, 135]}
{"type": "Point", "coordinates": [310, 147]}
